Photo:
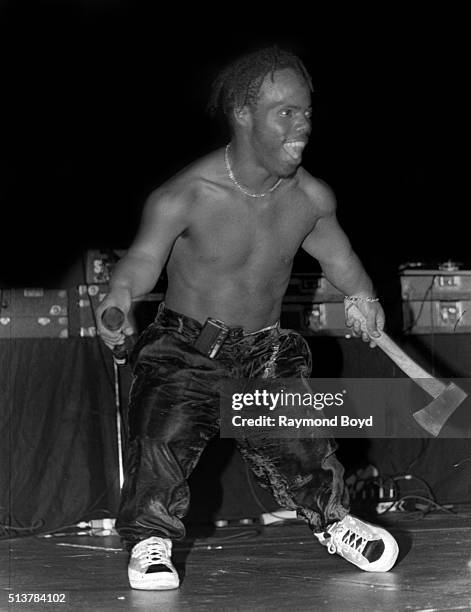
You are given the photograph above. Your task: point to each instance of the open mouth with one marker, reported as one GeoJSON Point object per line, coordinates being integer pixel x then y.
{"type": "Point", "coordinates": [294, 149]}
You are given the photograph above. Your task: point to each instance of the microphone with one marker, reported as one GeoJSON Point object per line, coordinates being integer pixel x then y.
{"type": "Point", "coordinates": [113, 318]}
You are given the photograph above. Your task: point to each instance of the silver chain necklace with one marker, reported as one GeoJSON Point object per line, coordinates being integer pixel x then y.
{"type": "Point", "coordinates": [238, 185]}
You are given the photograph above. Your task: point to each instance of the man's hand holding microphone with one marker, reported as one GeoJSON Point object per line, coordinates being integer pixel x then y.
{"type": "Point", "coordinates": [113, 324]}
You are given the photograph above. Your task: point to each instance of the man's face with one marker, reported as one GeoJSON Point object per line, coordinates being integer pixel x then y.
{"type": "Point", "coordinates": [281, 122]}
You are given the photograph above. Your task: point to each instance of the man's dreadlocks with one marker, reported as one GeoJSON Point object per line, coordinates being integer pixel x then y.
{"type": "Point", "coordinates": [239, 83]}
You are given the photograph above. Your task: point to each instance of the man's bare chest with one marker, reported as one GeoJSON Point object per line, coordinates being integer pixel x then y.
{"type": "Point", "coordinates": [241, 233]}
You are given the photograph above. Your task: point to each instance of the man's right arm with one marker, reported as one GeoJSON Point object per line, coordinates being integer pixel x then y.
{"type": "Point", "coordinates": [164, 218]}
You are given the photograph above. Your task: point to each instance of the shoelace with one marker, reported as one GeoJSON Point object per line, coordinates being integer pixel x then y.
{"type": "Point", "coordinates": [345, 537]}
{"type": "Point", "coordinates": [151, 554]}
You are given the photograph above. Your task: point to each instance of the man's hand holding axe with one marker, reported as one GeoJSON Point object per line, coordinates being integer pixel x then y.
{"type": "Point", "coordinates": [365, 317]}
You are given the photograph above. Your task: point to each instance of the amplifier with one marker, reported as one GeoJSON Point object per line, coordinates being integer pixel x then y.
{"type": "Point", "coordinates": [84, 300]}
{"type": "Point", "coordinates": [313, 288]}
{"type": "Point", "coordinates": [34, 313]}
{"type": "Point", "coordinates": [436, 285]}
{"type": "Point", "coordinates": [437, 316]}
{"type": "Point", "coordinates": [315, 319]}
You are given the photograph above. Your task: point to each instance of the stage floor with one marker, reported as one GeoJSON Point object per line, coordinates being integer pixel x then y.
{"type": "Point", "coordinates": [249, 568]}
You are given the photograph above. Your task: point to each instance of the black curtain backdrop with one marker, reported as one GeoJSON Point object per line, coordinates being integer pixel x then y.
{"type": "Point", "coordinates": [58, 451]}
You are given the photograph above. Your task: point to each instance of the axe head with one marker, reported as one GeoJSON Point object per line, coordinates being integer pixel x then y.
{"type": "Point", "coordinates": [435, 415]}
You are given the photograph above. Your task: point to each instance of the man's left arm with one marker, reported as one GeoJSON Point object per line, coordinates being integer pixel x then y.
{"type": "Point", "coordinates": [329, 244]}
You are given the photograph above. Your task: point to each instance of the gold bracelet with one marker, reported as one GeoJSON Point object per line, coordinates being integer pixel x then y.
{"type": "Point", "coordinates": [357, 298]}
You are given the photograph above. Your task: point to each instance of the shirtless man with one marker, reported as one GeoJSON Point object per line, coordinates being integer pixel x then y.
{"type": "Point", "coordinates": [227, 228]}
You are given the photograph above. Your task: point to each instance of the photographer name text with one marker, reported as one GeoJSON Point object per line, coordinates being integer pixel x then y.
{"type": "Point", "coordinates": [295, 423]}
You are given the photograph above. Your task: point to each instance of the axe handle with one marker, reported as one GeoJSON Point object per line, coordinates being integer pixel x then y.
{"type": "Point", "coordinates": [423, 379]}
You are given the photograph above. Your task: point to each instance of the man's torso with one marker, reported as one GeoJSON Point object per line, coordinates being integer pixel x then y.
{"type": "Point", "coordinates": [234, 260]}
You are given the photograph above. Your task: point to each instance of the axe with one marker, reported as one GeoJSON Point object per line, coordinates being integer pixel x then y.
{"type": "Point", "coordinates": [446, 397]}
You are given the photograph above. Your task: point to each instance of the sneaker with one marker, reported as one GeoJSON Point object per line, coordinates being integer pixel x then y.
{"type": "Point", "coordinates": [150, 567]}
{"type": "Point", "coordinates": [367, 546]}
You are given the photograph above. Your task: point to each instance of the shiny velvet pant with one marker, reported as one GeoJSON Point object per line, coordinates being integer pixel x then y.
{"type": "Point", "coordinates": [174, 412]}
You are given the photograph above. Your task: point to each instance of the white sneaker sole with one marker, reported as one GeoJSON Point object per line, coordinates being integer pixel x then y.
{"type": "Point", "coordinates": [157, 581]}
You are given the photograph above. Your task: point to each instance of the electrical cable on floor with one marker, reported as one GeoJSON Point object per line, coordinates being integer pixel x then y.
{"type": "Point", "coordinates": [387, 495]}
{"type": "Point", "coordinates": [430, 504]}
{"type": "Point", "coordinates": [397, 502]}
{"type": "Point", "coordinates": [31, 528]}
